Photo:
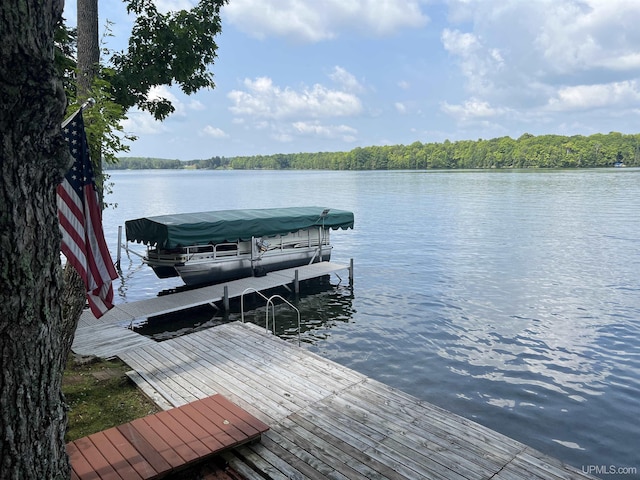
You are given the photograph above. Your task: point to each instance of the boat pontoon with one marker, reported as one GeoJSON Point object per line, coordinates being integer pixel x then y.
{"type": "Point", "coordinates": [213, 247]}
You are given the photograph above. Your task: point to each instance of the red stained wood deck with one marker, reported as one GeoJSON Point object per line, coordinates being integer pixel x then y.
{"type": "Point", "coordinates": [156, 445]}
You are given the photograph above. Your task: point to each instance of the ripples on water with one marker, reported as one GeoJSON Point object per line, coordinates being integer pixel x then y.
{"type": "Point", "coordinates": [508, 297]}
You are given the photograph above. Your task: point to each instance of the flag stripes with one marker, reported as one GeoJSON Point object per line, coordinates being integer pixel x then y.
{"type": "Point", "coordinates": [80, 219]}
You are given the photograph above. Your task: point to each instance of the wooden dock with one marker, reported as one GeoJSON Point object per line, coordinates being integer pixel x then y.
{"type": "Point", "coordinates": [108, 336]}
{"type": "Point", "coordinates": [327, 421]}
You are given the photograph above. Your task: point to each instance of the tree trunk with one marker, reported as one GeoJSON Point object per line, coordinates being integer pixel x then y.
{"type": "Point", "coordinates": [88, 56]}
{"type": "Point", "coordinates": [34, 336]}
{"type": "Point", "coordinates": [88, 63]}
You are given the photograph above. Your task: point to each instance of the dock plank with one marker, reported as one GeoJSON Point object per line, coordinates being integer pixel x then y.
{"type": "Point", "coordinates": [358, 447]}
{"type": "Point", "coordinates": [326, 420]}
{"type": "Point", "coordinates": [127, 450]}
{"type": "Point", "coordinates": [249, 424]}
{"type": "Point", "coordinates": [111, 454]}
{"type": "Point", "coordinates": [99, 464]}
{"type": "Point", "coordinates": [301, 454]}
{"type": "Point", "coordinates": [330, 378]}
{"type": "Point", "coordinates": [152, 446]}
{"type": "Point", "coordinates": [257, 387]}
{"type": "Point", "coordinates": [330, 422]}
{"type": "Point", "coordinates": [407, 432]}
{"type": "Point", "coordinates": [272, 377]}
{"type": "Point", "coordinates": [107, 340]}
{"type": "Point", "coordinates": [161, 381]}
{"type": "Point", "coordinates": [80, 467]}
{"type": "Point", "coordinates": [282, 459]}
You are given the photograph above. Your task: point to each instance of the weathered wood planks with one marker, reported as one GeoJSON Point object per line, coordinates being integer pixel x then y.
{"type": "Point", "coordinates": [328, 421]}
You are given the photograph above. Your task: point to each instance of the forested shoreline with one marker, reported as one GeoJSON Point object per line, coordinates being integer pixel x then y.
{"type": "Point", "coordinates": [528, 151]}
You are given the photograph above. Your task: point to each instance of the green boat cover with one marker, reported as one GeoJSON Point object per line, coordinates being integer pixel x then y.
{"type": "Point", "coordinates": [185, 229]}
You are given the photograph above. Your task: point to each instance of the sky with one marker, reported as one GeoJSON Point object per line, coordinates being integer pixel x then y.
{"type": "Point", "coordinates": [332, 75]}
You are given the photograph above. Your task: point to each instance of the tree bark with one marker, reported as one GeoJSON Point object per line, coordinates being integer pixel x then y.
{"type": "Point", "coordinates": [34, 336]}
{"type": "Point", "coordinates": [88, 57]}
{"type": "Point", "coordinates": [88, 64]}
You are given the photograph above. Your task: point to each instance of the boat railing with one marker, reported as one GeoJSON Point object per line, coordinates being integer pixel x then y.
{"type": "Point", "coordinates": [307, 240]}
{"type": "Point", "coordinates": [209, 251]}
{"type": "Point", "coordinates": [226, 250]}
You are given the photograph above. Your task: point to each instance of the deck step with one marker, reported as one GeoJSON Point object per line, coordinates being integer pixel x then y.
{"type": "Point", "coordinates": [153, 446]}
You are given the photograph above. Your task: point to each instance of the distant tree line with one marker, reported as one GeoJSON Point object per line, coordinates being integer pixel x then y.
{"type": "Point", "coordinates": [144, 163]}
{"type": "Point", "coordinates": [528, 151]}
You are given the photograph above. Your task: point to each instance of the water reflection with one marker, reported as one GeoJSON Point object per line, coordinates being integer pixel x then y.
{"type": "Point", "coordinates": [529, 351]}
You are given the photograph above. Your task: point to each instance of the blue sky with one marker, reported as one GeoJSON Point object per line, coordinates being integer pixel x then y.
{"type": "Point", "coordinates": [332, 75]}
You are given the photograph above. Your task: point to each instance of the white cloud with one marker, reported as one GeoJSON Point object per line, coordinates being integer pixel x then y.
{"type": "Point", "coordinates": [282, 137]}
{"type": "Point", "coordinates": [459, 43]}
{"type": "Point", "coordinates": [214, 132]}
{"type": "Point", "coordinates": [543, 56]}
{"type": "Point", "coordinates": [196, 105]}
{"type": "Point", "coordinates": [165, 6]}
{"type": "Point", "coordinates": [400, 107]}
{"type": "Point", "coordinates": [549, 37]}
{"type": "Point", "coordinates": [164, 92]}
{"type": "Point", "coordinates": [289, 113]}
{"type": "Point", "coordinates": [472, 109]}
{"type": "Point", "coordinates": [139, 123]}
{"type": "Point", "coordinates": [589, 35]}
{"type": "Point", "coordinates": [306, 21]}
{"type": "Point", "coordinates": [161, 91]}
{"type": "Point", "coordinates": [345, 79]}
{"type": "Point", "coordinates": [479, 65]}
{"type": "Point", "coordinates": [262, 99]}
{"type": "Point", "coordinates": [343, 132]}
{"type": "Point", "coordinates": [583, 97]}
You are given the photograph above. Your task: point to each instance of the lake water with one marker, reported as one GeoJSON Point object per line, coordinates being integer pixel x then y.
{"type": "Point", "coordinates": [509, 297]}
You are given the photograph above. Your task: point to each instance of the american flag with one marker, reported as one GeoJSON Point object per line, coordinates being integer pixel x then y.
{"type": "Point", "coordinates": [80, 219]}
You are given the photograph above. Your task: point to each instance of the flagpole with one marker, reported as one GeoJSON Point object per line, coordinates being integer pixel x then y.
{"type": "Point", "coordinates": [88, 104]}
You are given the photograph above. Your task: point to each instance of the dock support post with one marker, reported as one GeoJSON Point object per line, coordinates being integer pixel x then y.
{"type": "Point", "coordinates": [351, 273]}
{"type": "Point", "coordinates": [296, 283]}
{"type": "Point", "coordinates": [225, 300]}
{"type": "Point", "coordinates": [119, 247]}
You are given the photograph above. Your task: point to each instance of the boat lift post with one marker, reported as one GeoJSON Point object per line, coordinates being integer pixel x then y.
{"type": "Point", "coordinates": [119, 254]}
{"type": "Point", "coordinates": [323, 215]}
{"type": "Point", "coordinates": [126, 248]}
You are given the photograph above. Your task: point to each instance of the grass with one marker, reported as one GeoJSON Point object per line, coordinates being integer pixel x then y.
{"type": "Point", "coordinates": [101, 396]}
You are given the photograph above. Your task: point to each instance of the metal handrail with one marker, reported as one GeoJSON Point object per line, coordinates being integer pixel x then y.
{"type": "Point", "coordinates": [247, 290]}
{"type": "Point", "coordinates": [270, 301]}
